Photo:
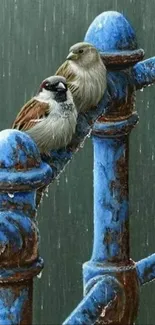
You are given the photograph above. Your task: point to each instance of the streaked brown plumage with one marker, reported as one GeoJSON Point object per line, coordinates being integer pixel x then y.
{"type": "Point", "coordinates": [85, 74]}
{"type": "Point", "coordinates": [49, 117]}
{"type": "Point", "coordinates": [29, 113]}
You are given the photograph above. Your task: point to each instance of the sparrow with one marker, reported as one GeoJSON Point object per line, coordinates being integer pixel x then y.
{"type": "Point", "coordinates": [49, 117]}
{"type": "Point", "coordinates": [85, 73]}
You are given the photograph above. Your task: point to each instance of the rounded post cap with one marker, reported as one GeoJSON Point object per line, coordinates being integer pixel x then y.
{"type": "Point", "coordinates": [114, 37]}
{"type": "Point", "coordinates": [21, 167]}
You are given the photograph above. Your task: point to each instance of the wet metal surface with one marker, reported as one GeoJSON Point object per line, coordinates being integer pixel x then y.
{"type": "Point", "coordinates": [111, 238]}
{"type": "Point", "coordinates": [16, 304]}
{"type": "Point", "coordinates": [146, 269]}
{"type": "Point", "coordinates": [21, 171]}
{"type": "Point", "coordinates": [102, 293]}
{"type": "Point", "coordinates": [111, 32]}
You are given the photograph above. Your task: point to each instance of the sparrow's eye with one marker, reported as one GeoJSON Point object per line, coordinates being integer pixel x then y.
{"type": "Point", "coordinates": [81, 51]}
{"type": "Point", "coordinates": [46, 85]}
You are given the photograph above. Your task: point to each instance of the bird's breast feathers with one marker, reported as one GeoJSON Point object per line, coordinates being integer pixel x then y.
{"type": "Point", "coordinates": [88, 86]}
{"type": "Point", "coordinates": [56, 130]}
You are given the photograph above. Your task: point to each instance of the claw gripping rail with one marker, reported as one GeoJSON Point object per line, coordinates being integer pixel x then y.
{"type": "Point", "coordinates": [111, 278]}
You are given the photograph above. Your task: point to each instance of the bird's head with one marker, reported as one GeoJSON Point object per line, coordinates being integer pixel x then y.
{"type": "Point", "coordinates": [55, 87]}
{"type": "Point", "coordinates": [83, 54]}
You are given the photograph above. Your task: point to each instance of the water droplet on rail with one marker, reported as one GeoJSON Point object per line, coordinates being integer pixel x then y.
{"type": "Point", "coordinates": [39, 275]}
{"type": "Point", "coordinates": [11, 195]}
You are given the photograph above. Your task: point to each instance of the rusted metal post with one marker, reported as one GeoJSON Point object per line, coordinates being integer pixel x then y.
{"type": "Point", "coordinates": [111, 254]}
{"type": "Point", "coordinates": [21, 173]}
{"type": "Point", "coordinates": [114, 37]}
{"type": "Point", "coordinates": [103, 291]}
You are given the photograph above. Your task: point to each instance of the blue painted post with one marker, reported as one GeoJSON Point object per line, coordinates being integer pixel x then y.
{"type": "Point", "coordinates": [102, 292]}
{"type": "Point", "coordinates": [111, 253]}
{"type": "Point", "coordinates": [21, 173]}
{"type": "Point", "coordinates": [114, 37]}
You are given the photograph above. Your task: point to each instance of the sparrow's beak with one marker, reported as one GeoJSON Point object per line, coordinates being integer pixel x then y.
{"type": "Point", "coordinates": [61, 86]}
{"type": "Point", "coordinates": [72, 56]}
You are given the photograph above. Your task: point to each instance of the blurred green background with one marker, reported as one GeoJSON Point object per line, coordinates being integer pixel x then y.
{"type": "Point", "coordinates": [34, 40]}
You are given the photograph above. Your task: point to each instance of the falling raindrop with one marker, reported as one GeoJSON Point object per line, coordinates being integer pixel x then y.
{"type": "Point", "coordinates": [49, 280]}
{"type": "Point", "coordinates": [147, 240]}
{"type": "Point", "coordinates": [45, 26]}
{"type": "Point", "coordinates": [42, 305]}
{"type": "Point", "coordinates": [58, 181]}
{"type": "Point", "coordinates": [59, 243]}
{"type": "Point", "coordinates": [47, 191]}
{"type": "Point", "coordinates": [140, 148]}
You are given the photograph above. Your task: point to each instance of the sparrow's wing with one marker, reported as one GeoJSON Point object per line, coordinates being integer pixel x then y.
{"type": "Point", "coordinates": [66, 71]}
{"type": "Point", "coordinates": [31, 113]}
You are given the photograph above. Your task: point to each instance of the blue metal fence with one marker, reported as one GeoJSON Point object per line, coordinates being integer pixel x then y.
{"type": "Point", "coordinates": [111, 278]}
{"type": "Point", "coordinates": [21, 173]}
{"type": "Point", "coordinates": [111, 33]}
